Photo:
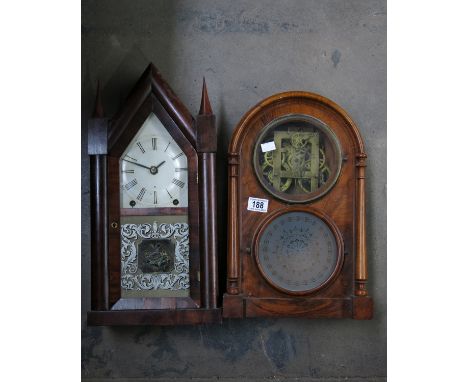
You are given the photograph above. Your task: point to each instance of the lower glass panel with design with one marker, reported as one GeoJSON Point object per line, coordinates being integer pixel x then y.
{"type": "Point", "coordinates": [154, 256]}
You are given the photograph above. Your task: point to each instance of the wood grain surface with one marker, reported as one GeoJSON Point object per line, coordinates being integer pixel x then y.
{"type": "Point", "coordinates": [249, 294]}
{"type": "Point", "coordinates": [152, 94]}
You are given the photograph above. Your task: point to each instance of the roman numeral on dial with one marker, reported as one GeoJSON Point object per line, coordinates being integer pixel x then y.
{"type": "Point", "coordinates": [128, 171]}
{"type": "Point", "coordinates": [181, 169]}
{"type": "Point", "coordinates": [154, 142]}
{"type": "Point", "coordinates": [131, 184]}
{"type": "Point", "coordinates": [155, 198]}
{"type": "Point", "coordinates": [178, 183]}
{"type": "Point", "coordinates": [141, 194]}
{"type": "Point", "coordinates": [177, 156]}
{"type": "Point", "coordinates": [141, 147]}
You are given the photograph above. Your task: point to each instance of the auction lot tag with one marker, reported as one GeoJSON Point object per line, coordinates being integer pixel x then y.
{"type": "Point", "coordinates": [258, 205]}
{"type": "Point", "coordinates": [268, 146]}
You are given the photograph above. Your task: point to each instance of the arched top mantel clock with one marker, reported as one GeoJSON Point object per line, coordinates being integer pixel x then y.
{"type": "Point", "coordinates": [296, 226]}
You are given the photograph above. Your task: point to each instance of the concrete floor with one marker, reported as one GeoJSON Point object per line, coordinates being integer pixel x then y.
{"type": "Point", "coordinates": [247, 50]}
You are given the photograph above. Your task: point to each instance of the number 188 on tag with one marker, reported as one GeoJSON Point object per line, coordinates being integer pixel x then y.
{"type": "Point", "coordinates": [256, 204]}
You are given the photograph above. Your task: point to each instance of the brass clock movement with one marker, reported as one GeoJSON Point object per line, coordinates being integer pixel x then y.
{"type": "Point", "coordinates": [296, 227]}
{"type": "Point", "coordinates": [306, 160]}
{"type": "Point", "coordinates": [153, 210]}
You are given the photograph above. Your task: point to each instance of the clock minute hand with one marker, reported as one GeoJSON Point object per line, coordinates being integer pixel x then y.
{"type": "Point", "coordinates": [137, 164]}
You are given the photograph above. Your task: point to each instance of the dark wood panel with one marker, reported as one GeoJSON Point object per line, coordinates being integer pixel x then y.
{"type": "Point", "coordinates": [363, 308]}
{"type": "Point", "coordinates": [174, 106]}
{"type": "Point", "coordinates": [113, 228]}
{"type": "Point", "coordinates": [162, 211]}
{"type": "Point", "coordinates": [307, 307]}
{"type": "Point", "coordinates": [208, 229]}
{"type": "Point", "coordinates": [97, 136]}
{"type": "Point", "coordinates": [233, 306]}
{"type": "Point", "coordinates": [206, 125]}
{"type": "Point", "coordinates": [99, 243]}
{"type": "Point", "coordinates": [212, 227]}
{"type": "Point", "coordinates": [155, 317]}
{"type": "Point", "coordinates": [156, 303]}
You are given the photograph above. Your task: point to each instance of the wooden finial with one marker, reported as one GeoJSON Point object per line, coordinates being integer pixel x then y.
{"type": "Point", "coordinates": [98, 108]}
{"type": "Point", "coordinates": [205, 107]}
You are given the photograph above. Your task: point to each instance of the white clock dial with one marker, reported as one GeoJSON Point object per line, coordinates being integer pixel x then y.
{"type": "Point", "coordinates": [153, 174]}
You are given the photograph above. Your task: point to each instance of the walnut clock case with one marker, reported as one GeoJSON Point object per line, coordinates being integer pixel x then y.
{"type": "Point", "coordinates": [153, 210]}
{"type": "Point", "coordinates": [296, 225]}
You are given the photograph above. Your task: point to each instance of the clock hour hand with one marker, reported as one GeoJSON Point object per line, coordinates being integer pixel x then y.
{"type": "Point", "coordinates": [160, 164]}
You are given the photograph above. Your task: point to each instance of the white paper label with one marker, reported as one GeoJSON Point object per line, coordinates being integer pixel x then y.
{"type": "Point", "coordinates": [258, 205]}
{"type": "Point", "coordinates": [269, 146]}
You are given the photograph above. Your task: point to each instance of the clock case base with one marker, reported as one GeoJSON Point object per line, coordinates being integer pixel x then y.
{"type": "Point", "coordinates": [239, 306]}
{"type": "Point", "coordinates": [105, 136]}
{"type": "Point", "coordinates": [154, 317]}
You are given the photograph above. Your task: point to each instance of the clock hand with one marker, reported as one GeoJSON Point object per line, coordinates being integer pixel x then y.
{"type": "Point", "coordinates": [138, 164]}
{"type": "Point", "coordinates": [160, 164]}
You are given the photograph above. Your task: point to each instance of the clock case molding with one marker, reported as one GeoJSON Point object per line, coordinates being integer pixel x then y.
{"type": "Point", "coordinates": [249, 294]}
{"type": "Point", "coordinates": [107, 140]}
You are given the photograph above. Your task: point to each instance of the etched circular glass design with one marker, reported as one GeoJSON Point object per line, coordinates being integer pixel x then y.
{"type": "Point", "coordinates": [297, 252]}
{"type": "Point", "coordinates": [297, 158]}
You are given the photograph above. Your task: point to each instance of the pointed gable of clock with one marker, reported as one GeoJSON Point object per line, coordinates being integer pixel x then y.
{"type": "Point", "coordinates": [151, 94]}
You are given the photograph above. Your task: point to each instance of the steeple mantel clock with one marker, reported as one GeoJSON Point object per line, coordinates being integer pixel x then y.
{"type": "Point", "coordinates": [153, 210]}
{"type": "Point", "coordinates": [296, 226]}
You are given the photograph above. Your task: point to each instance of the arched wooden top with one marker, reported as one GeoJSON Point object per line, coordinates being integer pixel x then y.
{"type": "Point", "coordinates": [240, 130]}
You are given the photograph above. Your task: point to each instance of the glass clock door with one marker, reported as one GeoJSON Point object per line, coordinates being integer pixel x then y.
{"type": "Point", "coordinates": [298, 252]}
{"type": "Point", "coordinates": [154, 215]}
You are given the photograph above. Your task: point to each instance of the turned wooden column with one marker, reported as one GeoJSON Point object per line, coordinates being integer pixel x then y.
{"type": "Point", "coordinates": [97, 150]}
{"type": "Point", "coordinates": [233, 225]}
{"type": "Point", "coordinates": [361, 248]}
